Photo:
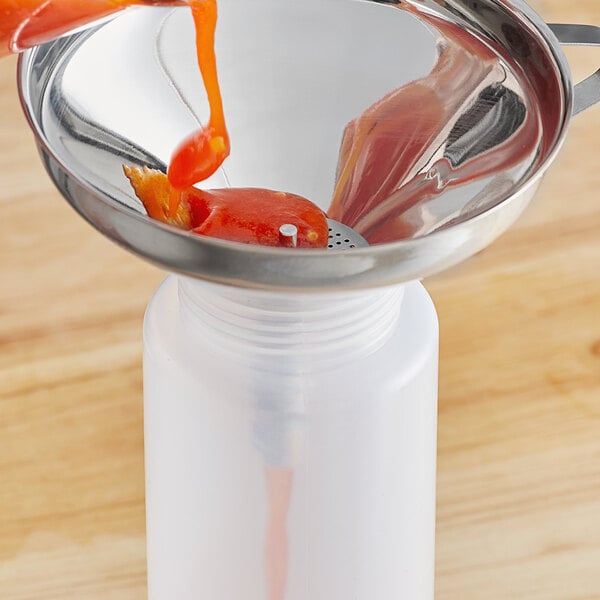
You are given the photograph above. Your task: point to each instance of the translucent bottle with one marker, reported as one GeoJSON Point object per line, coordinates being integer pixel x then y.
{"type": "Point", "coordinates": [290, 443]}
{"type": "Point", "coordinates": [27, 23]}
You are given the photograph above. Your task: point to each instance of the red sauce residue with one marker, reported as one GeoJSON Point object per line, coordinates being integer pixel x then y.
{"type": "Point", "coordinates": [246, 215]}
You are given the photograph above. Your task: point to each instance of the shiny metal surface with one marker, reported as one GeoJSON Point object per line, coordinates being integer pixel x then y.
{"type": "Point", "coordinates": [96, 100]}
{"type": "Point", "coordinates": [587, 92]}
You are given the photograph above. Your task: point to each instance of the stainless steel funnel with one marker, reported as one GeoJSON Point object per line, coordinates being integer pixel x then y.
{"type": "Point", "coordinates": [296, 77]}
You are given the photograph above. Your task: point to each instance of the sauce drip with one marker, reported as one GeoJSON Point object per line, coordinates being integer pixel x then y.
{"type": "Point", "coordinates": [201, 154]}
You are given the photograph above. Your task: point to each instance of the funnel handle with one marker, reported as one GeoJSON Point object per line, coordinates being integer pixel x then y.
{"type": "Point", "coordinates": [587, 92]}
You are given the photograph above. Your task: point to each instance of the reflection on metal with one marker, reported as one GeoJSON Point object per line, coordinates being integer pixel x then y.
{"type": "Point", "coordinates": [495, 116]}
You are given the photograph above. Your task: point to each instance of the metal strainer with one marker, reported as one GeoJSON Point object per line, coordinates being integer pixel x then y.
{"type": "Point", "coordinates": [129, 90]}
{"type": "Point", "coordinates": [342, 237]}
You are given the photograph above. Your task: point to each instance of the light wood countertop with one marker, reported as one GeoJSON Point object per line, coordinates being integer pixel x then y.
{"type": "Point", "coordinates": [519, 428]}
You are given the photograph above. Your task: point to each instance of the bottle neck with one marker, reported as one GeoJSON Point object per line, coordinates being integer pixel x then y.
{"type": "Point", "coordinates": [285, 330]}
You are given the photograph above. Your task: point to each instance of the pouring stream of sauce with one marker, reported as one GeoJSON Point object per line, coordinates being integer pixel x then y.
{"type": "Point", "coordinates": [200, 155]}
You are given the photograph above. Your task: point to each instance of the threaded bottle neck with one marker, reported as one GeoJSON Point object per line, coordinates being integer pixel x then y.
{"type": "Point", "coordinates": [320, 328]}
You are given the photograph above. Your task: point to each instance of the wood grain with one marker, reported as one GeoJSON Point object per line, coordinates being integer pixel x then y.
{"type": "Point", "coordinates": [519, 430]}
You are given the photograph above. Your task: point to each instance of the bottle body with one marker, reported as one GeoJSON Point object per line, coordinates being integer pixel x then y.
{"type": "Point", "coordinates": [290, 451]}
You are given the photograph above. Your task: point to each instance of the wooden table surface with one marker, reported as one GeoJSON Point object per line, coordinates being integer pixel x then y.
{"type": "Point", "coordinates": [519, 428]}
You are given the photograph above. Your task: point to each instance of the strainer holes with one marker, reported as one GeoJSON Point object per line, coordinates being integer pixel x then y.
{"type": "Point", "coordinates": [341, 236]}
